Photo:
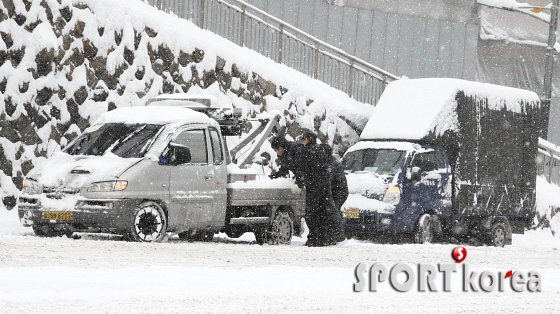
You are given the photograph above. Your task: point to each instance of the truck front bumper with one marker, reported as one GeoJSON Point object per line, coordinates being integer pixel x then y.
{"type": "Point", "coordinates": [103, 214]}
{"type": "Point", "coordinates": [368, 222]}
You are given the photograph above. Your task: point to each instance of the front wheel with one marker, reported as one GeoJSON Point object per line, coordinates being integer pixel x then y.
{"type": "Point", "coordinates": [423, 232]}
{"type": "Point", "coordinates": [282, 229]}
{"type": "Point", "coordinates": [498, 235]}
{"type": "Point", "coordinates": [45, 231]}
{"type": "Point", "coordinates": [149, 224]}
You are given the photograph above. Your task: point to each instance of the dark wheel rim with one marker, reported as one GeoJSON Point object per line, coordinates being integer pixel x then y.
{"type": "Point", "coordinates": [148, 224]}
{"type": "Point", "coordinates": [282, 231]}
{"type": "Point", "coordinates": [499, 237]}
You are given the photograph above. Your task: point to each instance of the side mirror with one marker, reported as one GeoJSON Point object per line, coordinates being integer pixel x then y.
{"type": "Point", "coordinates": [414, 174]}
{"type": "Point", "coordinates": [179, 154]}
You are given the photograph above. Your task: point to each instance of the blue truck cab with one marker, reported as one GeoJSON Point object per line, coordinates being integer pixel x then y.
{"type": "Point", "coordinates": [394, 183]}
{"type": "Point", "coordinates": [445, 158]}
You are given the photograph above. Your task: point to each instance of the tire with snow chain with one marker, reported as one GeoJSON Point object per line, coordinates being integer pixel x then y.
{"type": "Point", "coordinates": [423, 232]}
{"type": "Point", "coordinates": [186, 236]}
{"type": "Point", "coordinates": [149, 223]}
{"type": "Point", "coordinates": [279, 231]}
{"type": "Point", "coordinates": [498, 236]}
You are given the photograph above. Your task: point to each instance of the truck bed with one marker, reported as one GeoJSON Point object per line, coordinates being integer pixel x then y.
{"type": "Point", "coordinates": [262, 192]}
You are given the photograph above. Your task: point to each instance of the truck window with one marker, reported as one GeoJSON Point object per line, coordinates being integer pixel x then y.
{"type": "Point", "coordinates": [195, 140]}
{"type": "Point", "coordinates": [123, 140]}
{"type": "Point", "coordinates": [379, 161]}
{"type": "Point", "coordinates": [425, 161]}
{"type": "Point", "coordinates": [217, 149]}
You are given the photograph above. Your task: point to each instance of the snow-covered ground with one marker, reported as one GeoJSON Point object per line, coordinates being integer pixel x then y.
{"type": "Point", "coordinates": [102, 274]}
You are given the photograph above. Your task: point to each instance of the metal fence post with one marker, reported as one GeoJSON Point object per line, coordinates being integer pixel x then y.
{"type": "Point", "coordinates": [350, 78]}
{"type": "Point", "coordinates": [201, 16]}
{"type": "Point", "coordinates": [316, 65]}
{"type": "Point", "coordinates": [550, 163]}
{"type": "Point", "coordinates": [384, 83]}
{"type": "Point", "coordinates": [280, 43]}
{"type": "Point", "coordinates": [242, 35]}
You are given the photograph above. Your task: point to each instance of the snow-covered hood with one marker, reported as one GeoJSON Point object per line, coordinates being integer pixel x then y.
{"type": "Point", "coordinates": [366, 192]}
{"type": "Point", "coordinates": [71, 171]}
{"type": "Point", "coordinates": [362, 203]}
{"type": "Point", "coordinates": [367, 184]}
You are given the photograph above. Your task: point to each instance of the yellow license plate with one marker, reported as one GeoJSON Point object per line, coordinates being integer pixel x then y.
{"type": "Point", "coordinates": [351, 213]}
{"type": "Point", "coordinates": [58, 216]}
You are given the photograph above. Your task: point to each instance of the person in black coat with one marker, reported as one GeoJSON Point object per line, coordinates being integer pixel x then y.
{"type": "Point", "coordinates": [308, 138]}
{"type": "Point", "coordinates": [288, 156]}
{"type": "Point", "coordinates": [322, 216]}
{"type": "Point", "coordinates": [339, 185]}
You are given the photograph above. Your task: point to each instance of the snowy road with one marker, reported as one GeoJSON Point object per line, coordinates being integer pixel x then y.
{"type": "Point", "coordinates": [102, 274]}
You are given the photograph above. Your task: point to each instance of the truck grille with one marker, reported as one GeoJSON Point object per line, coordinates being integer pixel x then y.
{"type": "Point", "coordinates": [60, 190]}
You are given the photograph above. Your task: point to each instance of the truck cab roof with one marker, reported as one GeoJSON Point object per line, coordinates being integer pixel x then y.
{"type": "Point", "coordinates": [154, 115]}
{"type": "Point", "coordinates": [183, 100]}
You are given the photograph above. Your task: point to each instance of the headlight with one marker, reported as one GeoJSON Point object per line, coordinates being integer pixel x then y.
{"type": "Point", "coordinates": [31, 186]}
{"type": "Point", "coordinates": [107, 186]}
{"type": "Point", "coordinates": [392, 195]}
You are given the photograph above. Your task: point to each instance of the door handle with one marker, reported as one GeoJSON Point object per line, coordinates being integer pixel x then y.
{"type": "Point", "coordinates": [208, 176]}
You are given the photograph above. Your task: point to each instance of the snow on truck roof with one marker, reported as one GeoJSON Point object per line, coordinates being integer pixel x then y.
{"type": "Point", "coordinates": [411, 108]}
{"type": "Point", "coordinates": [154, 115]}
{"type": "Point", "coordinates": [404, 146]}
{"type": "Point", "coordinates": [193, 101]}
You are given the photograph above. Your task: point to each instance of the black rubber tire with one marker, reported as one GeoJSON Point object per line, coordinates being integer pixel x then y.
{"type": "Point", "coordinates": [498, 235]}
{"type": "Point", "coordinates": [204, 235]}
{"type": "Point", "coordinates": [350, 234]}
{"type": "Point", "coordinates": [186, 236]}
{"type": "Point", "coordinates": [149, 223]}
{"type": "Point", "coordinates": [199, 235]}
{"type": "Point", "coordinates": [45, 231]}
{"type": "Point", "coordinates": [261, 236]}
{"type": "Point", "coordinates": [424, 233]}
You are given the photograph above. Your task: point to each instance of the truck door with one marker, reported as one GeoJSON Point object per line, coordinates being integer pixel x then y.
{"type": "Point", "coordinates": [191, 184]}
{"type": "Point", "coordinates": [422, 193]}
{"type": "Point", "coordinates": [444, 188]}
{"type": "Point", "coordinates": [219, 179]}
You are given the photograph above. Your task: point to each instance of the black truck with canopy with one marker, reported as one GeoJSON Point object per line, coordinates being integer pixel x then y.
{"type": "Point", "coordinates": [446, 157]}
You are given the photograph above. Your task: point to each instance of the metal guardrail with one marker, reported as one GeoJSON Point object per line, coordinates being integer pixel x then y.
{"type": "Point", "coordinates": [548, 162]}
{"type": "Point", "coordinates": [255, 29]}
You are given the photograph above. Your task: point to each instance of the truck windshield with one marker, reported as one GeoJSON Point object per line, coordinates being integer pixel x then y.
{"type": "Point", "coordinates": [379, 161]}
{"type": "Point", "coordinates": [123, 140]}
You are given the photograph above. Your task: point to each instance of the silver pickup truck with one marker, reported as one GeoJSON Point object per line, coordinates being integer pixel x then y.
{"type": "Point", "coordinates": [165, 167]}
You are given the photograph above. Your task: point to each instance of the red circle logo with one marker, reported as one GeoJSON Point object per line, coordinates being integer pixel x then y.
{"type": "Point", "coordinates": [459, 254]}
